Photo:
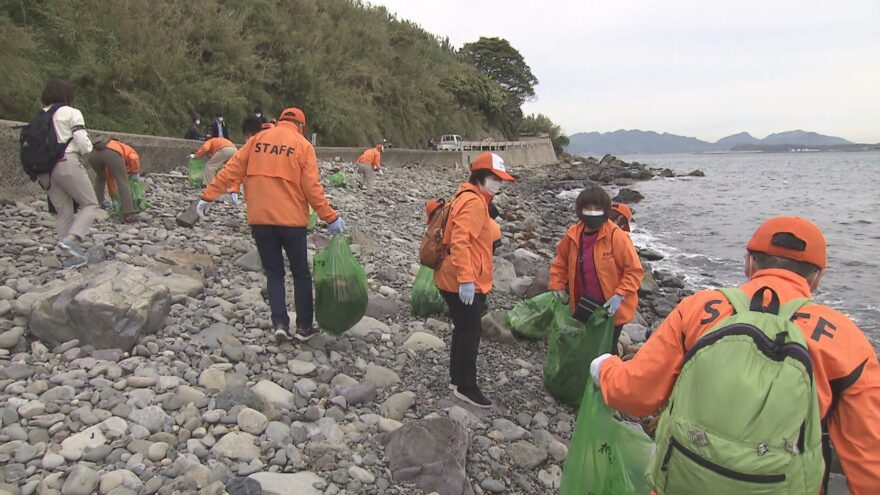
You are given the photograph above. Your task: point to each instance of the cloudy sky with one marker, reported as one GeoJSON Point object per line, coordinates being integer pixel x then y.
{"type": "Point", "coordinates": [692, 67]}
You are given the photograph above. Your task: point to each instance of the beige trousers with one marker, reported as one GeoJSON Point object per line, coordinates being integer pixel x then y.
{"type": "Point", "coordinates": [367, 174]}
{"type": "Point", "coordinates": [101, 161]}
{"type": "Point", "coordinates": [215, 163]}
{"type": "Point", "coordinates": [67, 183]}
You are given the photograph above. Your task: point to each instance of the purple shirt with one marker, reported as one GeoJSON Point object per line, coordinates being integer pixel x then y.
{"type": "Point", "coordinates": [588, 279]}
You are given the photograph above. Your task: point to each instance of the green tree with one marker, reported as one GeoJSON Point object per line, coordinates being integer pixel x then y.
{"type": "Point", "coordinates": [541, 124]}
{"type": "Point", "coordinates": [503, 63]}
{"type": "Point", "coordinates": [496, 58]}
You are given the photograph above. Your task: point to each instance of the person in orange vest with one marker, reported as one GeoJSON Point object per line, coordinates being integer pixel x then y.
{"type": "Point", "coordinates": [218, 150]}
{"type": "Point", "coordinates": [114, 162]}
{"type": "Point", "coordinates": [368, 164]}
{"type": "Point", "coordinates": [465, 276]}
{"type": "Point", "coordinates": [596, 263]}
{"type": "Point", "coordinates": [788, 255]}
{"type": "Point", "coordinates": [280, 173]}
{"type": "Point", "coordinates": [622, 215]}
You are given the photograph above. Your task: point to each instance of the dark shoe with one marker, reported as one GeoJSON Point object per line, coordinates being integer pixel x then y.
{"type": "Point", "coordinates": [282, 333]}
{"type": "Point", "coordinates": [131, 218]}
{"type": "Point", "coordinates": [305, 333]}
{"type": "Point", "coordinates": [472, 396]}
{"type": "Point", "coordinates": [73, 262]}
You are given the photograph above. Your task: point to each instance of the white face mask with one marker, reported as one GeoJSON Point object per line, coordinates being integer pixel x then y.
{"type": "Point", "coordinates": [220, 119]}
{"type": "Point", "coordinates": [492, 185]}
{"type": "Point", "coordinates": [198, 122]}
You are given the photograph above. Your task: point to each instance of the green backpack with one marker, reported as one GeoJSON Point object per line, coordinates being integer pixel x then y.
{"type": "Point", "coordinates": [743, 417]}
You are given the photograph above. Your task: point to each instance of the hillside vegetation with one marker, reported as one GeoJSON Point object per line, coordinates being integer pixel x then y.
{"type": "Point", "coordinates": [359, 73]}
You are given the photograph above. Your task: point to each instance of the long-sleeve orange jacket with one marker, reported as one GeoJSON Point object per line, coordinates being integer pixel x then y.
{"type": "Point", "coordinates": [845, 368]}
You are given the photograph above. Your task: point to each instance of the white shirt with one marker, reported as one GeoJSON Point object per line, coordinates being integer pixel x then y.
{"type": "Point", "coordinates": [69, 123]}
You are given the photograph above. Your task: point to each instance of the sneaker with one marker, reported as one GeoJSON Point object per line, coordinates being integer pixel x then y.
{"type": "Point", "coordinates": [282, 333]}
{"type": "Point", "coordinates": [72, 247]}
{"type": "Point", "coordinates": [73, 262]}
{"type": "Point", "coordinates": [472, 396]}
{"type": "Point", "coordinates": [305, 333]}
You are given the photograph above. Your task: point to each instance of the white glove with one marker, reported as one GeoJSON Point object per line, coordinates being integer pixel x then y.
{"type": "Point", "coordinates": [466, 293]}
{"type": "Point", "coordinates": [202, 207]}
{"type": "Point", "coordinates": [191, 156]}
{"type": "Point", "coordinates": [234, 198]}
{"type": "Point", "coordinates": [337, 226]}
{"type": "Point", "coordinates": [596, 368]}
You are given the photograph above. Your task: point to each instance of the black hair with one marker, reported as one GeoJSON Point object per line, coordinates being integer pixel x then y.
{"type": "Point", "coordinates": [479, 176]}
{"type": "Point", "coordinates": [58, 91]}
{"type": "Point", "coordinates": [593, 195]}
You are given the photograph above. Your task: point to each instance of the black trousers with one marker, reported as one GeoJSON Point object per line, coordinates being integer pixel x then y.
{"type": "Point", "coordinates": [615, 337]}
{"type": "Point", "coordinates": [272, 242]}
{"type": "Point", "coordinates": [466, 332]}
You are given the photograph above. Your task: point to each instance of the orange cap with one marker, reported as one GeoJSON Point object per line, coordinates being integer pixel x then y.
{"type": "Point", "coordinates": [431, 206]}
{"type": "Point", "coordinates": [802, 229]}
{"type": "Point", "coordinates": [624, 210]}
{"type": "Point", "coordinates": [493, 162]}
{"type": "Point", "coordinates": [293, 114]}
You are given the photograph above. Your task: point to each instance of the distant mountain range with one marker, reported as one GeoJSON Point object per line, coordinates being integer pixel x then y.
{"type": "Point", "coordinates": [636, 141]}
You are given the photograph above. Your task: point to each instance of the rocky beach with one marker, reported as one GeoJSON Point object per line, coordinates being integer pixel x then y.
{"type": "Point", "coordinates": [153, 369]}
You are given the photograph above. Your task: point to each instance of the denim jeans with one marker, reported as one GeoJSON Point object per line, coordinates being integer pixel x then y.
{"type": "Point", "coordinates": [272, 242]}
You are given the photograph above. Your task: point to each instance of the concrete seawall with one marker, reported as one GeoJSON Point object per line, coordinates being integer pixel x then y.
{"type": "Point", "coordinates": [162, 154]}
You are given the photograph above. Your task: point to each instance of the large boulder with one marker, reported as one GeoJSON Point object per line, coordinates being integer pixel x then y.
{"type": "Point", "coordinates": [112, 305]}
{"type": "Point", "coordinates": [504, 274]}
{"type": "Point", "coordinates": [430, 453]}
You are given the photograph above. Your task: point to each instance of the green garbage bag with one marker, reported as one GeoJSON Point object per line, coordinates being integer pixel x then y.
{"type": "Point", "coordinates": [570, 349]}
{"type": "Point", "coordinates": [425, 298]}
{"type": "Point", "coordinates": [196, 170]}
{"type": "Point", "coordinates": [531, 319]}
{"type": "Point", "coordinates": [338, 179]}
{"type": "Point", "coordinates": [605, 455]}
{"type": "Point", "coordinates": [340, 287]}
{"type": "Point", "coordinates": [138, 197]}
{"type": "Point", "coordinates": [313, 218]}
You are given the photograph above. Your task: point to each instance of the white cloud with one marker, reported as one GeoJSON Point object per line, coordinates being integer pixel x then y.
{"type": "Point", "coordinates": [705, 69]}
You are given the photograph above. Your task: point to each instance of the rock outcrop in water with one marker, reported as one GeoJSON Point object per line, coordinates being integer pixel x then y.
{"type": "Point", "coordinates": [206, 402]}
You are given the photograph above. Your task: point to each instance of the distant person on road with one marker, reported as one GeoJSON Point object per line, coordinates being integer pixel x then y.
{"type": "Point", "coordinates": [281, 178]}
{"type": "Point", "coordinates": [596, 263]}
{"type": "Point", "coordinates": [218, 128]}
{"type": "Point", "coordinates": [114, 162]}
{"type": "Point", "coordinates": [253, 123]}
{"type": "Point", "coordinates": [747, 394]}
{"type": "Point", "coordinates": [370, 163]}
{"type": "Point", "coordinates": [465, 276]}
{"type": "Point", "coordinates": [194, 132]}
{"type": "Point", "coordinates": [68, 183]}
{"type": "Point", "coordinates": [217, 150]}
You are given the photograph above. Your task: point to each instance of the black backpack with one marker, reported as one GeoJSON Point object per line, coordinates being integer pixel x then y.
{"type": "Point", "coordinates": [40, 149]}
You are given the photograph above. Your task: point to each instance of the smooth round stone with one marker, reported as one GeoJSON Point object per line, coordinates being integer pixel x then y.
{"type": "Point", "coordinates": [52, 461]}
{"type": "Point", "coordinates": [157, 451]}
